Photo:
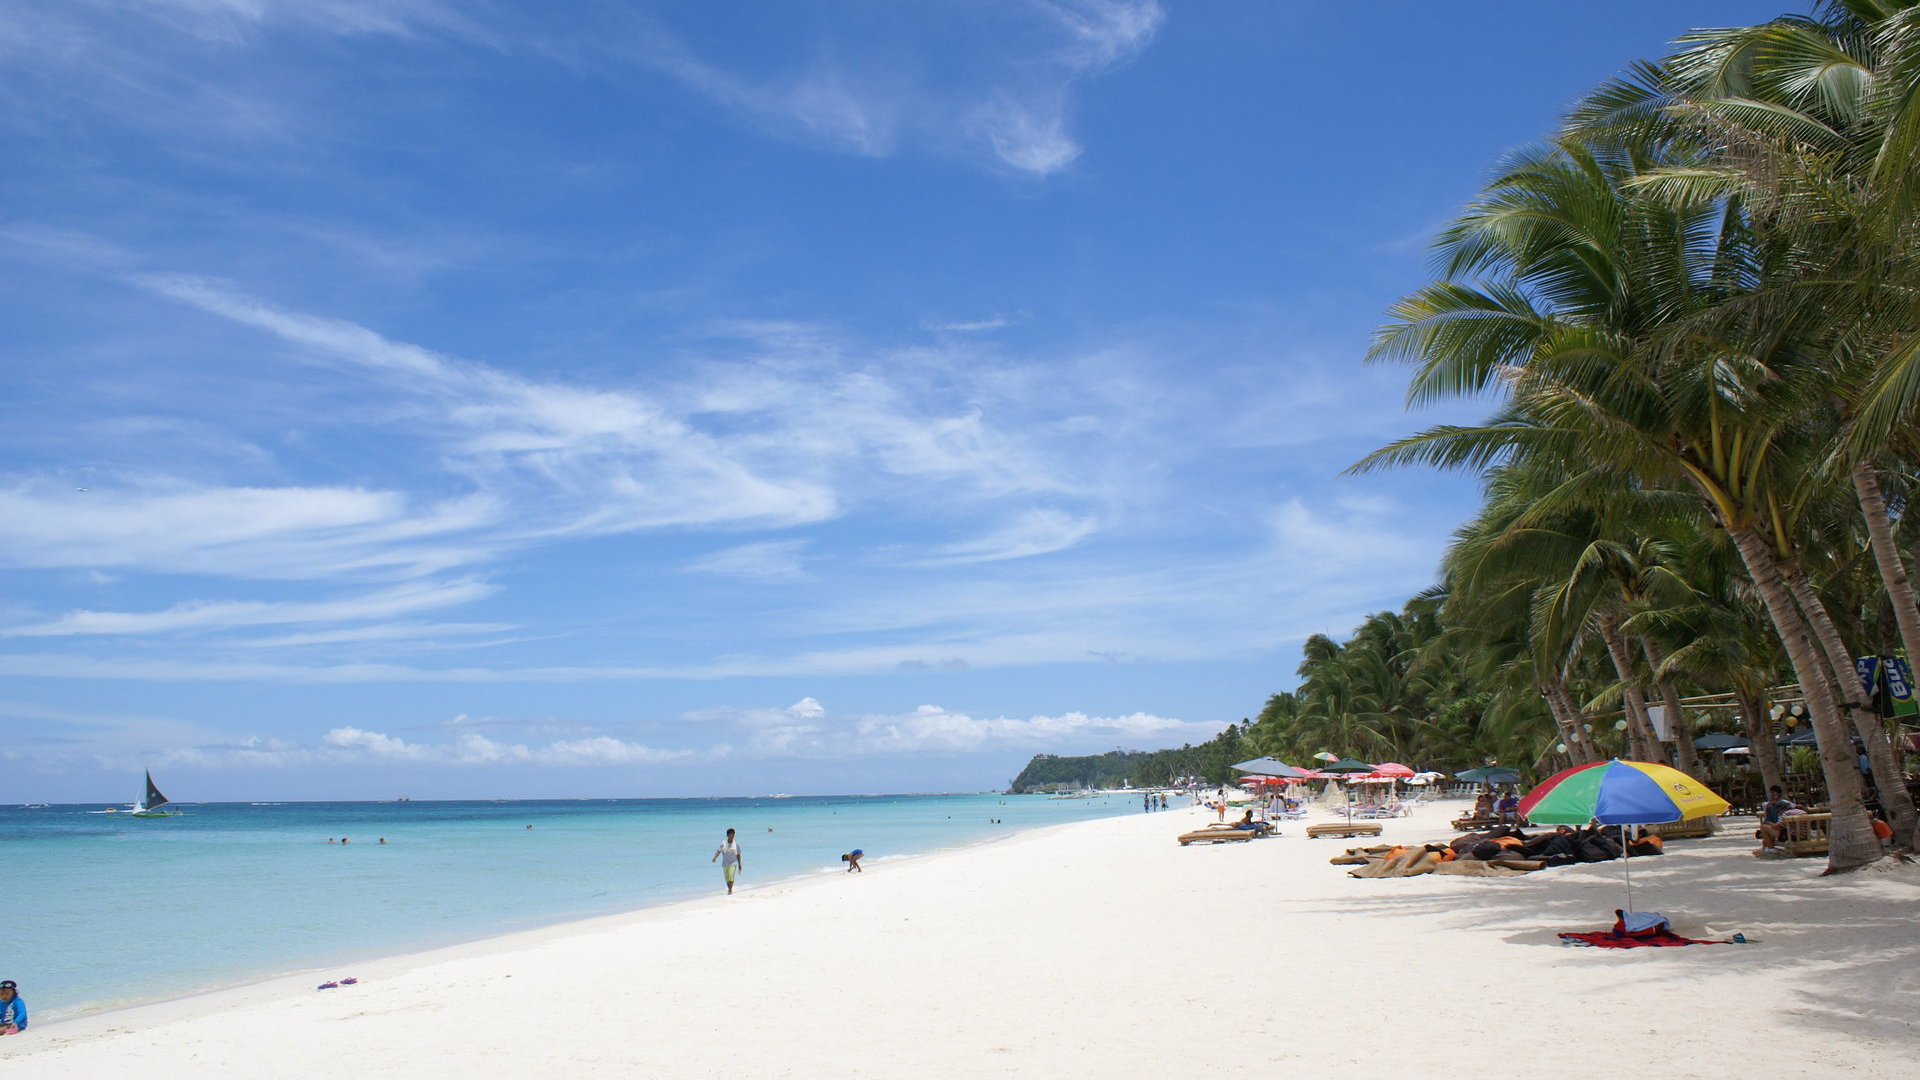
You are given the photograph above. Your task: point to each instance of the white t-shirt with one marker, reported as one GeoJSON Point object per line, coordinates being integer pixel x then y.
{"type": "Point", "coordinates": [729, 853]}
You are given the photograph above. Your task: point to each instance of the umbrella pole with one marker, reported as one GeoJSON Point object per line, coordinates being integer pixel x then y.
{"type": "Point", "coordinates": [1626, 856]}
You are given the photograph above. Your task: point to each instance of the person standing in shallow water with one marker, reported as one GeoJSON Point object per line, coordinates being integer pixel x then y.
{"type": "Point", "coordinates": [728, 855]}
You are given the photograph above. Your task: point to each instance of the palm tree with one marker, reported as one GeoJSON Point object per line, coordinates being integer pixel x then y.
{"type": "Point", "coordinates": [1580, 292]}
{"type": "Point", "coordinates": [1814, 123]}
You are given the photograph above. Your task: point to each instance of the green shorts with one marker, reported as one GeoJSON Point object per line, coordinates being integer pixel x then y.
{"type": "Point", "coordinates": [732, 871]}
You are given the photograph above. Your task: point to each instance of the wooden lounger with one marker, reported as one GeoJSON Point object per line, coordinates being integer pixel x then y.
{"type": "Point", "coordinates": [1470, 823]}
{"type": "Point", "coordinates": [1684, 830]}
{"type": "Point", "coordinates": [1806, 834]}
{"type": "Point", "coordinates": [1344, 828]}
{"type": "Point", "coordinates": [1215, 835]}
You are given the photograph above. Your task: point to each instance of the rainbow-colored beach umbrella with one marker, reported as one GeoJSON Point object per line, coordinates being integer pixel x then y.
{"type": "Point", "coordinates": [1619, 793]}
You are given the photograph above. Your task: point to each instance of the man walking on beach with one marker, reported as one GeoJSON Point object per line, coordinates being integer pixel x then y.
{"type": "Point", "coordinates": [728, 853]}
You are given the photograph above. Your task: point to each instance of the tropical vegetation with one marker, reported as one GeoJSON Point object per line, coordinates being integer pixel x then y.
{"type": "Point", "coordinates": [1696, 311]}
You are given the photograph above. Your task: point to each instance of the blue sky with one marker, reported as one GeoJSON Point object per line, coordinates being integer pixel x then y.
{"type": "Point", "coordinates": [495, 399]}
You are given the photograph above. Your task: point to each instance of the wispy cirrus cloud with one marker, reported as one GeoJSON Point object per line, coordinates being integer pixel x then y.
{"type": "Point", "coordinates": [769, 561]}
{"type": "Point", "coordinates": [160, 523]}
{"type": "Point", "coordinates": [1040, 531]}
{"type": "Point", "coordinates": [867, 90]}
{"type": "Point", "coordinates": [211, 616]}
{"type": "Point", "coordinates": [931, 728]}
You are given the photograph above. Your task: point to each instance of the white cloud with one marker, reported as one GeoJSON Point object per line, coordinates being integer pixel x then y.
{"type": "Point", "coordinates": [973, 326]}
{"type": "Point", "coordinates": [606, 460]}
{"type": "Point", "coordinates": [1010, 104]}
{"type": "Point", "coordinates": [432, 633]}
{"type": "Point", "coordinates": [291, 532]}
{"type": "Point", "coordinates": [770, 561]}
{"type": "Point", "coordinates": [1035, 532]}
{"type": "Point", "coordinates": [472, 748]}
{"type": "Point", "coordinates": [1029, 135]}
{"type": "Point", "coordinates": [206, 616]}
{"type": "Point", "coordinates": [931, 728]}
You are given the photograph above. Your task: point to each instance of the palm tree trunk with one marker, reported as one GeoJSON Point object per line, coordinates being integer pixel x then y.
{"type": "Point", "coordinates": [1557, 691]}
{"type": "Point", "coordinates": [1893, 570]}
{"type": "Point", "coordinates": [1850, 843]}
{"type": "Point", "coordinates": [1643, 745]}
{"type": "Point", "coordinates": [1684, 758]}
{"type": "Point", "coordinates": [1887, 778]}
{"type": "Point", "coordinates": [1760, 748]}
{"type": "Point", "coordinates": [1568, 725]}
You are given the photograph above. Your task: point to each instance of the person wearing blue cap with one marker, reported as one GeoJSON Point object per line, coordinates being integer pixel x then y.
{"type": "Point", "coordinates": [852, 859]}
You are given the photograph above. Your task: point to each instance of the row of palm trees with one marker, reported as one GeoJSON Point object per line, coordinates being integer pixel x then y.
{"type": "Point", "coordinates": [1697, 309]}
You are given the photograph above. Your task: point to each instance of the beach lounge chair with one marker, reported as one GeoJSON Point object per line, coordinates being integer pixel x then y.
{"type": "Point", "coordinates": [1343, 828]}
{"type": "Point", "coordinates": [1805, 834]}
{"type": "Point", "coordinates": [1215, 834]}
{"type": "Point", "coordinates": [1475, 822]}
{"type": "Point", "coordinates": [1683, 830]}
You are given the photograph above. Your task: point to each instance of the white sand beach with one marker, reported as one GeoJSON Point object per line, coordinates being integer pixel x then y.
{"type": "Point", "coordinates": [1102, 948]}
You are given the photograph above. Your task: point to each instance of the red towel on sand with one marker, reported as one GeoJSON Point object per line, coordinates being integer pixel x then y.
{"type": "Point", "coordinates": [1604, 939]}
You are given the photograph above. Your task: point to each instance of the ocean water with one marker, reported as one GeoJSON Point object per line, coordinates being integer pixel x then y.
{"type": "Point", "coordinates": [106, 909]}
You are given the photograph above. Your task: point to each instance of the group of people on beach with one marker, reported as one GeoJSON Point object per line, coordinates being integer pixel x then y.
{"type": "Point", "coordinates": [1562, 846]}
{"type": "Point", "coordinates": [728, 856]}
{"type": "Point", "coordinates": [1153, 800]}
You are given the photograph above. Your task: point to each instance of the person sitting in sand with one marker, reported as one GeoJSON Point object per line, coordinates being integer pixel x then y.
{"type": "Point", "coordinates": [13, 1011]}
{"type": "Point", "coordinates": [1771, 811]}
{"type": "Point", "coordinates": [852, 859]}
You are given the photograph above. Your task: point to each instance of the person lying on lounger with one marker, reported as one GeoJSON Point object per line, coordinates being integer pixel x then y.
{"type": "Point", "coordinates": [1247, 822]}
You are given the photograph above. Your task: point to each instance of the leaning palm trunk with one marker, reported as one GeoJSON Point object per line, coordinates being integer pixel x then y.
{"type": "Point", "coordinates": [1684, 757]}
{"type": "Point", "coordinates": [1893, 574]}
{"type": "Point", "coordinates": [1643, 745]}
{"type": "Point", "coordinates": [1851, 843]}
{"type": "Point", "coordinates": [1557, 692]}
{"type": "Point", "coordinates": [1887, 777]}
{"type": "Point", "coordinates": [1761, 751]}
{"type": "Point", "coordinates": [1567, 722]}
{"type": "Point", "coordinates": [1886, 554]}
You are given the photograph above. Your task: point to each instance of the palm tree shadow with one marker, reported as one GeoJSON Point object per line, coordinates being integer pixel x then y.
{"type": "Point", "coordinates": [1847, 940]}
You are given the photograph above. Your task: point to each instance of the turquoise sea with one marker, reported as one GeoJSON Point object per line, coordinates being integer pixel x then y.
{"type": "Point", "coordinates": [106, 910]}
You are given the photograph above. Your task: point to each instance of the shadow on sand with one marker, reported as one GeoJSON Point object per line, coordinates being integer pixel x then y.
{"type": "Point", "coordinates": [1850, 940]}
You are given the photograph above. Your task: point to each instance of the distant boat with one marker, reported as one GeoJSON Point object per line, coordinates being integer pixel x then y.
{"type": "Point", "coordinates": [151, 802]}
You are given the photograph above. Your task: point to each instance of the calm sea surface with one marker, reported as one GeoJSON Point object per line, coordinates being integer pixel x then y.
{"type": "Point", "coordinates": [108, 909]}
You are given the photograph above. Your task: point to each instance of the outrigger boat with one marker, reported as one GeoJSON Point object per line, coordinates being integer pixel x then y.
{"type": "Point", "coordinates": [150, 803]}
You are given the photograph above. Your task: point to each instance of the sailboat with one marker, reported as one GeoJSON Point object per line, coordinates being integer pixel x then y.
{"type": "Point", "coordinates": [151, 802]}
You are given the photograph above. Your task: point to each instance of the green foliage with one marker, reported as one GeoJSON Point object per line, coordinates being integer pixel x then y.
{"type": "Point", "coordinates": [1211, 761]}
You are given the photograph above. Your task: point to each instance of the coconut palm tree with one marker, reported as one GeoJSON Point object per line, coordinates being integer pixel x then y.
{"type": "Point", "coordinates": [1812, 124]}
{"type": "Point", "coordinates": [1582, 303]}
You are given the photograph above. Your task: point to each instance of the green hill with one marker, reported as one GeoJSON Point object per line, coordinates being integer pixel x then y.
{"type": "Point", "coordinates": [1210, 761]}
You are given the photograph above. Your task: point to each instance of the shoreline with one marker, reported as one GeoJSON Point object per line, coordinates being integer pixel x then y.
{"type": "Point", "coordinates": [1096, 946]}
{"type": "Point", "coordinates": [506, 938]}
